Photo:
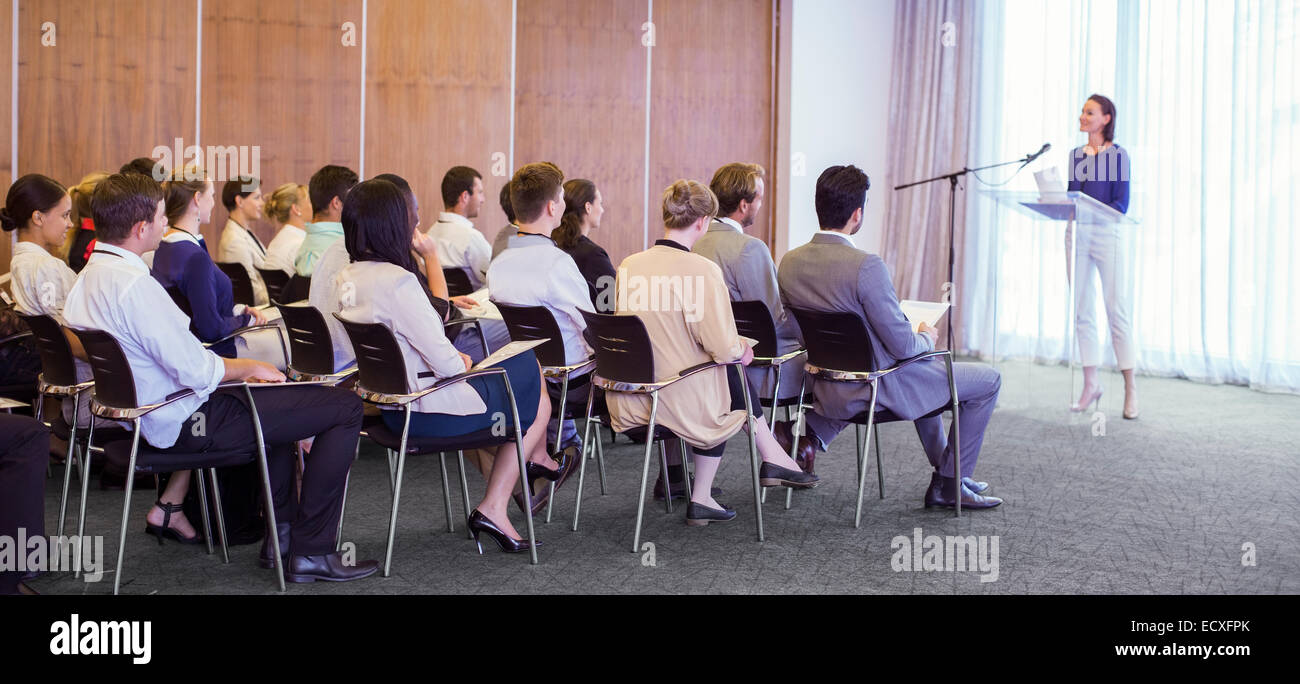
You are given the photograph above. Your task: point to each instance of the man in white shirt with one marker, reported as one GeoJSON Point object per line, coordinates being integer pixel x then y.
{"type": "Point", "coordinates": [460, 245]}
{"type": "Point", "coordinates": [532, 271]}
{"type": "Point", "coordinates": [116, 294]}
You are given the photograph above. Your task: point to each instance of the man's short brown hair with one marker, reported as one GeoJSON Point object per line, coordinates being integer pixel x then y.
{"type": "Point", "coordinates": [532, 187]}
{"type": "Point", "coordinates": [733, 183]}
{"type": "Point", "coordinates": [121, 201]}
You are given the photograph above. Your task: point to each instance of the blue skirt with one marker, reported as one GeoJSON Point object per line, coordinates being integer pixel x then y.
{"type": "Point", "coordinates": [525, 380]}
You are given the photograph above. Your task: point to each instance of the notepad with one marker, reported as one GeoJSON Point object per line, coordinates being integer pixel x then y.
{"type": "Point", "coordinates": [512, 349]}
{"type": "Point", "coordinates": [918, 312]}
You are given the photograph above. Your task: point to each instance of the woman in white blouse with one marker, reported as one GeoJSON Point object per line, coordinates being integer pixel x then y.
{"type": "Point", "coordinates": [39, 208]}
{"type": "Point", "coordinates": [383, 285]}
{"type": "Point", "coordinates": [242, 198]}
{"type": "Point", "coordinates": [288, 207]}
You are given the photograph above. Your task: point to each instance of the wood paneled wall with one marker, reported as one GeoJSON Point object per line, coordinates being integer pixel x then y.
{"type": "Point", "coordinates": [6, 121]}
{"type": "Point", "coordinates": [276, 75]}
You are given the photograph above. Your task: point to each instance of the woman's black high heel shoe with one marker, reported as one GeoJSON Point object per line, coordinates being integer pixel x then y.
{"type": "Point", "coordinates": [161, 531]}
{"type": "Point", "coordinates": [565, 459]}
{"type": "Point", "coordinates": [480, 523]}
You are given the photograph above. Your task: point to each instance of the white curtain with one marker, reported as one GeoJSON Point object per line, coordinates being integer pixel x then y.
{"type": "Point", "coordinates": [1207, 94]}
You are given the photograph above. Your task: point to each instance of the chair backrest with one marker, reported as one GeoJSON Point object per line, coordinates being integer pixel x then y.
{"type": "Point", "coordinates": [296, 290]}
{"type": "Point", "coordinates": [114, 382]}
{"type": "Point", "coordinates": [275, 280]}
{"type": "Point", "coordinates": [534, 323]}
{"type": "Point", "coordinates": [623, 351]}
{"type": "Point", "coordinates": [57, 365]}
{"type": "Point", "coordinates": [183, 303]}
{"type": "Point", "coordinates": [310, 345]}
{"type": "Point", "coordinates": [458, 282]}
{"type": "Point", "coordinates": [836, 340]}
{"type": "Point", "coordinates": [241, 285]}
{"type": "Point", "coordinates": [380, 365]}
{"type": "Point", "coordinates": [754, 320]}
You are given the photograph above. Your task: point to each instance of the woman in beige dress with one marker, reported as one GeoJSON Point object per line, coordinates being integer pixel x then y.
{"type": "Point", "coordinates": [683, 302]}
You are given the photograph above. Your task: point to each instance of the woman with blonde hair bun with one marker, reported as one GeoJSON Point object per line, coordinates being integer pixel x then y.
{"type": "Point", "coordinates": [289, 208]}
{"type": "Point", "coordinates": [688, 318]}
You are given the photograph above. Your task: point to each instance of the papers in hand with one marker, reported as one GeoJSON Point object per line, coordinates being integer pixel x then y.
{"type": "Point", "coordinates": [918, 312]}
{"type": "Point", "coordinates": [512, 349]}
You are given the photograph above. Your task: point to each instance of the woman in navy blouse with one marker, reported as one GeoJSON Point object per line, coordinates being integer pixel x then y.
{"type": "Point", "coordinates": [1100, 169]}
{"type": "Point", "coordinates": [183, 265]}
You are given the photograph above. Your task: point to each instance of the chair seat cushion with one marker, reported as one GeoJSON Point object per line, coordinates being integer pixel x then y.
{"type": "Point", "coordinates": [150, 460]}
{"type": "Point", "coordinates": [103, 434]}
{"type": "Point", "coordinates": [381, 435]}
{"type": "Point", "coordinates": [886, 416]}
{"type": "Point", "coordinates": [785, 401]}
{"type": "Point", "coordinates": [637, 434]}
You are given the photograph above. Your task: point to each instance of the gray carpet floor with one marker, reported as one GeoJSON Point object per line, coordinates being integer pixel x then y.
{"type": "Point", "coordinates": [1163, 504]}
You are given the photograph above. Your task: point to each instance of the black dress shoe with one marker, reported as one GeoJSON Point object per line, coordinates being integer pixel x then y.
{"type": "Point", "coordinates": [265, 559]}
{"type": "Point", "coordinates": [805, 453]}
{"type": "Point", "coordinates": [698, 515]}
{"type": "Point", "coordinates": [941, 494]}
{"type": "Point", "coordinates": [975, 485]}
{"type": "Point", "coordinates": [328, 568]}
{"type": "Point", "coordinates": [772, 475]}
{"type": "Point", "coordinates": [678, 489]}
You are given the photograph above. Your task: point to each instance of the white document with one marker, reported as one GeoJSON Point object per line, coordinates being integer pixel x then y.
{"type": "Point", "coordinates": [512, 349]}
{"type": "Point", "coordinates": [485, 308]}
{"type": "Point", "coordinates": [918, 312]}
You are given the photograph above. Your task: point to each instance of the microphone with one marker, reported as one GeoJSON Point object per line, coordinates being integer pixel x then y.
{"type": "Point", "coordinates": [1039, 153]}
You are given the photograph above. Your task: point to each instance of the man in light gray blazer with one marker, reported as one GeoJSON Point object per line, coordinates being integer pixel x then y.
{"type": "Point", "coordinates": [830, 274]}
{"type": "Point", "coordinates": [748, 269]}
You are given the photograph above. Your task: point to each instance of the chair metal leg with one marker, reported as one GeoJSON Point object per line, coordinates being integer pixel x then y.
{"type": "Point", "coordinates": [857, 440]}
{"type": "Point", "coordinates": [268, 497]}
{"type": "Point", "coordinates": [956, 426]}
{"type": "Point", "coordinates": [668, 481]}
{"type": "Point", "coordinates": [753, 455]}
{"type": "Point", "coordinates": [464, 491]}
{"type": "Point", "coordinates": [446, 489]}
{"type": "Point", "coordinates": [397, 490]}
{"type": "Point", "coordinates": [519, 452]}
{"type": "Point", "coordinates": [343, 502]}
{"type": "Point", "coordinates": [392, 470]}
{"type": "Point", "coordinates": [880, 469]}
{"type": "Point", "coordinates": [221, 517]}
{"type": "Point", "coordinates": [85, 484]}
{"type": "Point", "coordinates": [559, 435]}
{"type": "Point", "coordinates": [67, 464]}
{"type": "Point", "coordinates": [645, 470]}
{"type": "Point", "coordinates": [126, 511]}
{"type": "Point", "coordinates": [862, 470]}
{"type": "Point", "coordinates": [582, 462]}
{"type": "Point", "coordinates": [686, 470]}
{"type": "Point", "coordinates": [600, 455]}
{"type": "Point", "coordinates": [203, 508]}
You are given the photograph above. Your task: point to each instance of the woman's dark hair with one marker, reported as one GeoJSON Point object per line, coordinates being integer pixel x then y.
{"type": "Point", "coordinates": [376, 226]}
{"type": "Point", "coordinates": [577, 193]}
{"type": "Point", "coordinates": [1107, 109]}
{"type": "Point", "coordinates": [29, 194]}
{"type": "Point", "coordinates": [146, 166]}
{"type": "Point", "coordinates": [408, 195]}
{"type": "Point", "coordinates": [179, 190]}
{"type": "Point", "coordinates": [242, 186]}
{"type": "Point", "coordinates": [841, 190]}
{"type": "Point", "coordinates": [505, 202]}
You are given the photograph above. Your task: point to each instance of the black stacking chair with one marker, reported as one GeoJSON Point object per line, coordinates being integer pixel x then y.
{"type": "Point", "coordinates": [183, 304]}
{"type": "Point", "coordinates": [275, 281]}
{"type": "Point", "coordinates": [296, 290]}
{"type": "Point", "coordinates": [240, 282]}
{"type": "Point", "coordinates": [59, 379]}
{"type": "Point", "coordinates": [458, 282]}
{"type": "Point", "coordinates": [19, 391]}
{"type": "Point", "coordinates": [753, 319]}
{"type": "Point", "coordinates": [839, 350]}
{"type": "Point", "coordinates": [310, 344]}
{"type": "Point", "coordinates": [114, 398]}
{"type": "Point", "coordinates": [536, 323]}
{"type": "Point", "coordinates": [381, 380]}
{"type": "Point", "coordinates": [625, 365]}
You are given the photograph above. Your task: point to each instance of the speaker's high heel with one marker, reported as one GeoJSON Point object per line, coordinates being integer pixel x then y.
{"type": "Point", "coordinates": [1094, 399]}
{"type": "Point", "coordinates": [480, 523]}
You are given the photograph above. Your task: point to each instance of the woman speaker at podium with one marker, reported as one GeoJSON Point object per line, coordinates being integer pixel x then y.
{"type": "Point", "coordinates": [1100, 169]}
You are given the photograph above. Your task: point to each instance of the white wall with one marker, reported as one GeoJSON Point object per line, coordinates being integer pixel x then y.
{"type": "Point", "coordinates": [838, 108]}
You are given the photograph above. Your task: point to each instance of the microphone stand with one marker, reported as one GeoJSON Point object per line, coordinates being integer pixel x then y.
{"type": "Point", "coordinates": [952, 222]}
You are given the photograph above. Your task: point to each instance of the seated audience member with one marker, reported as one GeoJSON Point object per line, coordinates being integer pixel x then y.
{"type": "Point", "coordinates": [688, 328]}
{"type": "Point", "coordinates": [147, 166]}
{"type": "Point", "coordinates": [242, 198]}
{"type": "Point", "coordinates": [183, 265]}
{"type": "Point", "coordinates": [460, 245]}
{"type": "Point", "coordinates": [831, 274]}
{"type": "Point", "coordinates": [508, 230]}
{"type": "Point", "coordinates": [327, 188]}
{"type": "Point", "coordinates": [81, 240]}
{"type": "Point", "coordinates": [532, 271]}
{"type": "Point", "coordinates": [384, 286]}
{"type": "Point", "coordinates": [582, 212]}
{"type": "Point", "coordinates": [288, 208]}
{"type": "Point", "coordinates": [749, 272]}
{"type": "Point", "coordinates": [115, 294]}
{"type": "Point", "coordinates": [24, 451]}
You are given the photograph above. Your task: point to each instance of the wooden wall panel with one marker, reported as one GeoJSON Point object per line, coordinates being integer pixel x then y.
{"type": "Point", "coordinates": [6, 121]}
{"type": "Point", "coordinates": [438, 96]}
{"type": "Point", "coordinates": [277, 75]}
{"type": "Point", "coordinates": [580, 102]}
{"type": "Point", "coordinates": [711, 94]}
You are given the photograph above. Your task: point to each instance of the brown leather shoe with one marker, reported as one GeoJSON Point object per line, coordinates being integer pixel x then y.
{"type": "Point", "coordinates": [806, 453]}
{"type": "Point", "coordinates": [328, 568]}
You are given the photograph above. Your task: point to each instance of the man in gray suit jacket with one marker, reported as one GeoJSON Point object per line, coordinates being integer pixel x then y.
{"type": "Point", "coordinates": [831, 274]}
{"type": "Point", "coordinates": [747, 267]}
